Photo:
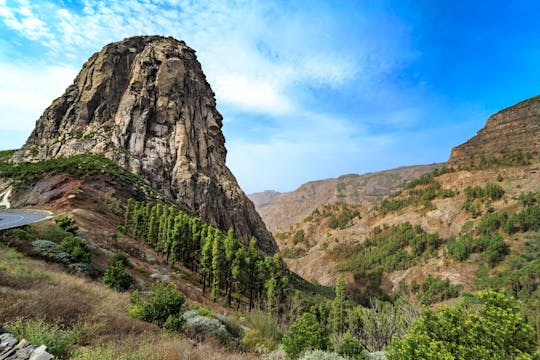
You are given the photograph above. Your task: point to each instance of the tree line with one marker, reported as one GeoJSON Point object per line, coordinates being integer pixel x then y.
{"type": "Point", "coordinates": [229, 270]}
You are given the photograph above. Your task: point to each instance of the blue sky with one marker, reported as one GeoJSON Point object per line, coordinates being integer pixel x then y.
{"type": "Point", "coordinates": [308, 89]}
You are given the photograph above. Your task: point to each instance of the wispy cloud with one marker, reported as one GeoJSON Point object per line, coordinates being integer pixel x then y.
{"type": "Point", "coordinates": [262, 59]}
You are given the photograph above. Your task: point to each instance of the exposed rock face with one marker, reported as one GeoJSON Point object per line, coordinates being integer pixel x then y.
{"type": "Point", "coordinates": [514, 128]}
{"type": "Point", "coordinates": [145, 103]}
{"type": "Point", "coordinates": [281, 210]}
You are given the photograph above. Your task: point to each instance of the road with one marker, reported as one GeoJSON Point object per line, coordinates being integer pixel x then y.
{"type": "Point", "coordinates": [14, 218]}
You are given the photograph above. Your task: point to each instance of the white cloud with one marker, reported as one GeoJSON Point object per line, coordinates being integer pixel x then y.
{"type": "Point", "coordinates": [25, 92]}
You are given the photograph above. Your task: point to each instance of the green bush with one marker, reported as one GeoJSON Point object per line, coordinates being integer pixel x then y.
{"type": "Point", "coordinates": [305, 334]}
{"type": "Point", "coordinates": [116, 278]}
{"type": "Point", "coordinates": [490, 328]}
{"type": "Point", "coordinates": [491, 222]}
{"type": "Point", "coordinates": [494, 191]}
{"type": "Point", "coordinates": [163, 301]}
{"type": "Point", "coordinates": [434, 289]}
{"type": "Point", "coordinates": [67, 224]}
{"type": "Point", "coordinates": [77, 248]}
{"type": "Point", "coordinates": [59, 342]}
{"type": "Point", "coordinates": [526, 220]}
{"type": "Point", "coordinates": [350, 347]}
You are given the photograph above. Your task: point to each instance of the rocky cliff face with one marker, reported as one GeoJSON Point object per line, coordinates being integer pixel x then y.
{"type": "Point", "coordinates": [145, 103]}
{"type": "Point", "coordinates": [514, 128]}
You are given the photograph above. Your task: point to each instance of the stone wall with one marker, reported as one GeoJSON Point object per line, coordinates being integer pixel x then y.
{"type": "Point", "coordinates": [13, 349]}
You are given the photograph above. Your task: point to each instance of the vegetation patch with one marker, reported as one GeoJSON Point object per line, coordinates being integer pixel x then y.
{"type": "Point", "coordinates": [398, 248]}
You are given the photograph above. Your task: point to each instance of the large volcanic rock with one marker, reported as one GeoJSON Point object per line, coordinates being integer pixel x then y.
{"type": "Point", "coordinates": [145, 103]}
{"type": "Point", "coordinates": [514, 128]}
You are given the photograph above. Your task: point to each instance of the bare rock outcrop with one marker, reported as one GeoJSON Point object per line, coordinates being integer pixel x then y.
{"type": "Point", "coordinates": [514, 128]}
{"type": "Point", "coordinates": [13, 349]}
{"type": "Point", "coordinates": [144, 103]}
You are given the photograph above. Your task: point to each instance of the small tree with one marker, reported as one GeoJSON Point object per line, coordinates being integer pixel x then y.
{"type": "Point", "coordinates": [116, 278]}
{"type": "Point", "coordinates": [163, 302]}
{"type": "Point", "coordinates": [340, 308]}
{"type": "Point", "coordinates": [305, 334]}
{"type": "Point", "coordinates": [77, 247]}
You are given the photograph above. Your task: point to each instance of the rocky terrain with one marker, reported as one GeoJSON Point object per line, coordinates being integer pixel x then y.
{"type": "Point", "coordinates": [514, 128]}
{"type": "Point", "coordinates": [145, 104]}
{"type": "Point", "coordinates": [281, 210]}
{"type": "Point", "coordinates": [13, 349]}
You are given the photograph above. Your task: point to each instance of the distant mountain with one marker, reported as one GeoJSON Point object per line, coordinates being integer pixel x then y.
{"type": "Point", "coordinates": [281, 210]}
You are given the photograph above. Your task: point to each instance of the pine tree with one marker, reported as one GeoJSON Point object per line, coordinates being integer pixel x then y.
{"type": "Point", "coordinates": [128, 214]}
{"type": "Point", "coordinates": [153, 223]}
{"type": "Point", "coordinates": [252, 274]}
{"type": "Point", "coordinates": [340, 308]}
{"type": "Point", "coordinates": [218, 262]}
{"type": "Point", "coordinates": [231, 247]}
{"type": "Point", "coordinates": [139, 231]}
{"type": "Point", "coordinates": [205, 265]}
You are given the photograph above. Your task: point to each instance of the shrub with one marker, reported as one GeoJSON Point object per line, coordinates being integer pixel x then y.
{"type": "Point", "coordinates": [173, 323]}
{"type": "Point", "coordinates": [305, 334]}
{"type": "Point", "coordinates": [494, 191]}
{"type": "Point", "coordinates": [321, 355]}
{"type": "Point", "coordinates": [77, 248]}
{"type": "Point", "coordinates": [350, 347]}
{"type": "Point", "coordinates": [119, 257]}
{"type": "Point", "coordinates": [204, 325]}
{"type": "Point", "coordinates": [163, 301]}
{"type": "Point", "coordinates": [525, 220]}
{"type": "Point", "coordinates": [67, 224]}
{"type": "Point", "coordinates": [52, 250]}
{"type": "Point", "coordinates": [54, 233]}
{"type": "Point", "coordinates": [469, 332]}
{"type": "Point", "coordinates": [59, 342]}
{"type": "Point", "coordinates": [116, 278]}
{"type": "Point", "coordinates": [299, 236]}
{"type": "Point", "coordinates": [434, 289]}
{"type": "Point", "coordinates": [264, 331]}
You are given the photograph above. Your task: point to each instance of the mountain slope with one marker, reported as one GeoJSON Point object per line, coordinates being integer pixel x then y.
{"type": "Point", "coordinates": [281, 210]}
{"type": "Point", "coordinates": [516, 128]}
{"type": "Point", "coordinates": [145, 104]}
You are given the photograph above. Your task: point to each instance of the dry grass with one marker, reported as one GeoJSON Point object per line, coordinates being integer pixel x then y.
{"type": "Point", "coordinates": [33, 289]}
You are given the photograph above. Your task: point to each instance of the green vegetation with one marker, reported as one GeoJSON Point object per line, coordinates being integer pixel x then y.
{"type": "Point", "coordinates": [160, 307]}
{"type": "Point", "coordinates": [115, 275]}
{"type": "Point", "coordinates": [514, 158]}
{"type": "Point", "coordinates": [77, 248]}
{"type": "Point", "coordinates": [434, 289]}
{"type": "Point", "coordinates": [419, 192]}
{"type": "Point", "coordinates": [299, 236]}
{"type": "Point", "coordinates": [228, 268]}
{"type": "Point", "coordinates": [527, 219]}
{"type": "Point", "coordinates": [490, 326]}
{"type": "Point", "coordinates": [59, 342]}
{"type": "Point", "coordinates": [83, 165]}
{"type": "Point", "coordinates": [491, 247]}
{"type": "Point", "coordinates": [396, 249]}
{"type": "Point", "coordinates": [339, 215]}
{"type": "Point", "coordinates": [305, 334]}
{"type": "Point", "coordinates": [67, 224]}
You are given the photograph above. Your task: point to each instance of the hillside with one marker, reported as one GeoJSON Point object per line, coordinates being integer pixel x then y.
{"type": "Point", "coordinates": [281, 210]}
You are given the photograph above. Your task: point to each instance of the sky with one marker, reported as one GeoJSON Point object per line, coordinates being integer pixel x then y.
{"type": "Point", "coordinates": [308, 89]}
